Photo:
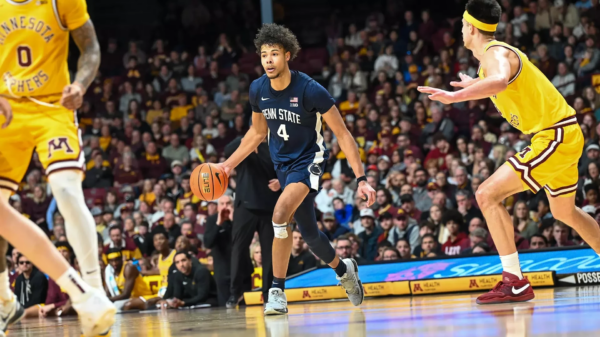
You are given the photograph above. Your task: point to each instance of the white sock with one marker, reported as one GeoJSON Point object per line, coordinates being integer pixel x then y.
{"type": "Point", "coordinates": [510, 264]}
{"type": "Point", "coordinates": [280, 230]}
{"type": "Point", "coordinates": [6, 294]}
{"type": "Point", "coordinates": [73, 285]}
{"type": "Point", "coordinates": [79, 223]}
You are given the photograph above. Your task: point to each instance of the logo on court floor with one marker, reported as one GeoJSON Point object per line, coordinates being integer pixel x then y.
{"type": "Point", "coordinates": [59, 143]}
{"type": "Point", "coordinates": [315, 169]}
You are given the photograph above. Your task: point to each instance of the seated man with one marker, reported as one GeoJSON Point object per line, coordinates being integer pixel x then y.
{"type": "Point", "coordinates": [192, 285]}
{"type": "Point", "coordinates": [124, 281]}
{"type": "Point", "coordinates": [117, 240]}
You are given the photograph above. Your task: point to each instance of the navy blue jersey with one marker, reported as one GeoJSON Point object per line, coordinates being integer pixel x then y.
{"type": "Point", "coordinates": [294, 119]}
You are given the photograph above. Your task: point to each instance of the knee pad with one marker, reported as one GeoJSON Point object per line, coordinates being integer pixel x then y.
{"type": "Point", "coordinates": [280, 230]}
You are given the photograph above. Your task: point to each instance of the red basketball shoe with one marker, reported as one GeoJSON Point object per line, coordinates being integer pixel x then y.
{"type": "Point", "coordinates": [510, 289]}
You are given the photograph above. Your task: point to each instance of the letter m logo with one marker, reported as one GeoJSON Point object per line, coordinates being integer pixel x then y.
{"type": "Point", "coordinates": [417, 288]}
{"type": "Point", "coordinates": [473, 283]}
{"type": "Point", "coordinates": [305, 294]}
{"type": "Point", "coordinates": [59, 143]}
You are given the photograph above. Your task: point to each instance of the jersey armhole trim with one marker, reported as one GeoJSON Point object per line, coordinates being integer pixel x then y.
{"type": "Point", "coordinates": [57, 15]}
{"type": "Point", "coordinates": [516, 53]}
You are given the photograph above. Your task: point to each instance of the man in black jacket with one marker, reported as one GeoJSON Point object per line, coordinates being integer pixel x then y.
{"type": "Point", "coordinates": [256, 194]}
{"type": "Point", "coordinates": [192, 285]}
{"type": "Point", "coordinates": [217, 237]}
{"type": "Point", "coordinates": [31, 286]}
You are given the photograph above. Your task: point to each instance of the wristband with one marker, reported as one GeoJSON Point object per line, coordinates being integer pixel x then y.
{"type": "Point", "coordinates": [359, 179]}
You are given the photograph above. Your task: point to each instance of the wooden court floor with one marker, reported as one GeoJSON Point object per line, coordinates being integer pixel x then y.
{"type": "Point", "coordinates": [571, 311]}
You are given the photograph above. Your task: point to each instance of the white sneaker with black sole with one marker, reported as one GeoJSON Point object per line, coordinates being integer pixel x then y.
{"type": "Point", "coordinates": [277, 304]}
{"type": "Point", "coordinates": [10, 312]}
{"type": "Point", "coordinates": [351, 283]}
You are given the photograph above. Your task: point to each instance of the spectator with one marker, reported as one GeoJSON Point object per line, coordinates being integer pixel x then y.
{"type": "Point", "coordinates": [234, 79]}
{"type": "Point", "coordinates": [465, 206]}
{"type": "Point", "coordinates": [301, 258]}
{"type": "Point", "coordinates": [176, 152]}
{"type": "Point", "coordinates": [408, 205]}
{"type": "Point", "coordinates": [31, 286]}
{"type": "Point", "coordinates": [403, 248]}
{"type": "Point", "coordinates": [476, 236]}
{"type": "Point", "coordinates": [331, 228]}
{"type": "Point", "coordinates": [522, 221]}
{"type": "Point", "coordinates": [404, 228]}
{"type": "Point", "coordinates": [564, 81]}
{"type": "Point", "coordinates": [428, 247]}
{"type": "Point", "coordinates": [544, 209]}
{"type": "Point", "coordinates": [538, 241]}
{"type": "Point", "coordinates": [481, 248]}
{"type": "Point", "coordinates": [384, 202]}
{"type": "Point", "coordinates": [128, 248]}
{"type": "Point", "coordinates": [439, 123]}
{"type": "Point", "coordinates": [191, 81]}
{"type": "Point", "coordinates": [387, 62]}
{"type": "Point", "coordinates": [391, 254]}
{"type": "Point", "coordinates": [153, 165]}
{"type": "Point", "coordinates": [591, 58]}
{"type": "Point", "coordinates": [343, 248]}
{"type": "Point", "coordinates": [442, 148]}
{"type": "Point", "coordinates": [457, 240]}
{"type": "Point", "coordinates": [99, 176]}
{"type": "Point", "coordinates": [369, 236]}
{"type": "Point", "coordinates": [560, 232]}
{"type": "Point", "coordinates": [192, 285]}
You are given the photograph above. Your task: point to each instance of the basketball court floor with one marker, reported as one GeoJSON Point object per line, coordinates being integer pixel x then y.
{"type": "Point", "coordinates": [572, 311]}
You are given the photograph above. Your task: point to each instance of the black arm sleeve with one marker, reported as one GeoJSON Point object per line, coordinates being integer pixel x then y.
{"type": "Point", "coordinates": [177, 286]}
{"type": "Point", "coordinates": [231, 147]}
{"type": "Point", "coordinates": [211, 232]}
{"type": "Point", "coordinates": [202, 279]}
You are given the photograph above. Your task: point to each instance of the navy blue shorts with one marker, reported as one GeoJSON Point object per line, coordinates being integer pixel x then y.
{"type": "Point", "coordinates": [307, 173]}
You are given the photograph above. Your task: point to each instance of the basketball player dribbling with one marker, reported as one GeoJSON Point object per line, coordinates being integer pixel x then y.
{"type": "Point", "coordinates": [530, 103]}
{"type": "Point", "coordinates": [289, 107]}
{"type": "Point", "coordinates": [34, 41]}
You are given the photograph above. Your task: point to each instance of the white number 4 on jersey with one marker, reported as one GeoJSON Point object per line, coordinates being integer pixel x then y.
{"type": "Point", "coordinates": [281, 132]}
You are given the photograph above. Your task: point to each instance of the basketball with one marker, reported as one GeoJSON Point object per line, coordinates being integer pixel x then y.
{"type": "Point", "coordinates": [208, 182]}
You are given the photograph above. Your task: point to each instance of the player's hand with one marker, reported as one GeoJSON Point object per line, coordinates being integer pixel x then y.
{"type": "Point", "coordinates": [6, 111]}
{"type": "Point", "coordinates": [366, 192]}
{"type": "Point", "coordinates": [225, 168]}
{"type": "Point", "coordinates": [274, 185]}
{"type": "Point", "coordinates": [465, 81]}
{"type": "Point", "coordinates": [72, 96]}
{"type": "Point", "coordinates": [439, 95]}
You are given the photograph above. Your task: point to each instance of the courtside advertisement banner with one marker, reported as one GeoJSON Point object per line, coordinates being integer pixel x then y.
{"type": "Point", "coordinates": [560, 261]}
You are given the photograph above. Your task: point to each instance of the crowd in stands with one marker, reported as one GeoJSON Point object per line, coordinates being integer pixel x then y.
{"type": "Point", "coordinates": [156, 111]}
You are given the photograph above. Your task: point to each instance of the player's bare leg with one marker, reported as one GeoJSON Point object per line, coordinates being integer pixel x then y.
{"type": "Point", "coordinates": [563, 208]}
{"type": "Point", "coordinates": [502, 184]}
{"type": "Point", "coordinates": [95, 311]}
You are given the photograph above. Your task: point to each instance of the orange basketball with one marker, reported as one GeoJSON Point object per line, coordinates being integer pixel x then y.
{"type": "Point", "coordinates": [208, 182]}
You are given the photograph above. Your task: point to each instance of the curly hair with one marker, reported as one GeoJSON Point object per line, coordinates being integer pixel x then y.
{"type": "Point", "coordinates": [274, 34]}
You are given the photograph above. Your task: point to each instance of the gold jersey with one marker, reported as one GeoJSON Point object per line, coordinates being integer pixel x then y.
{"type": "Point", "coordinates": [530, 103]}
{"type": "Point", "coordinates": [140, 287]}
{"type": "Point", "coordinates": [164, 263]}
{"type": "Point", "coordinates": [34, 45]}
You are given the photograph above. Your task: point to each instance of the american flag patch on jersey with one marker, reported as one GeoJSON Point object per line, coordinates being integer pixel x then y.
{"type": "Point", "coordinates": [293, 99]}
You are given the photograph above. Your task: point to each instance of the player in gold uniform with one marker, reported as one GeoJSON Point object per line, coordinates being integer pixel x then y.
{"type": "Point", "coordinates": [128, 281]}
{"type": "Point", "coordinates": [530, 103]}
{"type": "Point", "coordinates": [34, 79]}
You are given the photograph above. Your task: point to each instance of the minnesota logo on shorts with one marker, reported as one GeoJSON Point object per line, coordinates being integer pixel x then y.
{"type": "Point", "coordinates": [550, 161]}
{"type": "Point", "coordinates": [53, 133]}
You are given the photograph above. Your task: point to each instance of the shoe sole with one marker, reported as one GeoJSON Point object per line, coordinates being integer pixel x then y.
{"type": "Point", "coordinates": [275, 312]}
{"type": "Point", "coordinates": [233, 306]}
{"type": "Point", "coordinates": [360, 286]}
{"type": "Point", "coordinates": [103, 325]}
{"type": "Point", "coordinates": [524, 298]}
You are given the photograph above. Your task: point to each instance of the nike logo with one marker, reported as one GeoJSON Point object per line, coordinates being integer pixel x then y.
{"type": "Point", "coordinates": [264, 99]}
{"type": "Point", "coordinates": [518, 291]}
{"type": "Point", "coordinates": [91, 272]}
{"type": "Point", "coordinates": [219, 179]}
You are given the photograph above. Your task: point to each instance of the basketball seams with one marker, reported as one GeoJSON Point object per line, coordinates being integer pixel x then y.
{"type": "Point", "coordinates": [212, 180]}
{"type": "Point", "coordinates": [199, 185]}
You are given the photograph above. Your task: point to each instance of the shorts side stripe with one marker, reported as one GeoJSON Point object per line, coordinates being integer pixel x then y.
{"type": "Point", "coordinates": [525, 176]}
{"type": "Point", "coordinates": [561, 191]}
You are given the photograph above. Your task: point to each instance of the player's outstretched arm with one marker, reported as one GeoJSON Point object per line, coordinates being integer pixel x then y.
{"type": "Point", "coordinates": [252, 139]}
{"type": "Point", "coordinates": [87, 66]}
{"type": "Point", "coordinates": [348, 145]}
{"type": "Point", "coordinates": [497, 70]}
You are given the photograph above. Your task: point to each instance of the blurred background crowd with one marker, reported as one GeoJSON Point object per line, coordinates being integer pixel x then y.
{"type": "Point", "coordinates": [168, 101]}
